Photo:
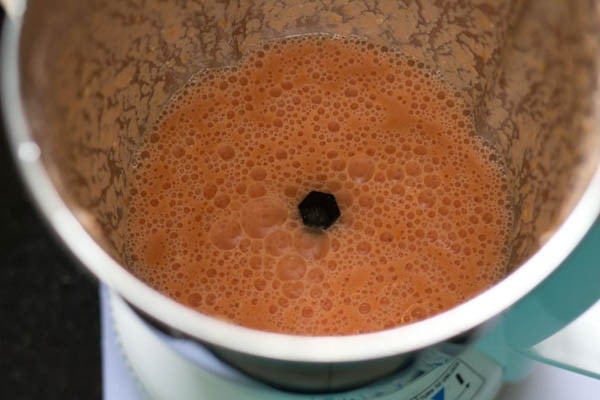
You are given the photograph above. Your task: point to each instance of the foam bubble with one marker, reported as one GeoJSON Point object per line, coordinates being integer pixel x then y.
{"type": "Point", "coordinates": [311, 245]}
{"type": "Point", "coordinates": [261, 216]}
{"type": "Point", "coordinates": [292, 290]}
{"type": "Point", "coordinates": [291, 267]}
{"type": "Point", "coordinates": [278, 243]}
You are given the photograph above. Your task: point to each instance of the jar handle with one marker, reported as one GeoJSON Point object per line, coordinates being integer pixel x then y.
{"type": "Point", "coordinates": [575, 347]}
{"type": "Point", "coordinates": [558, 323]}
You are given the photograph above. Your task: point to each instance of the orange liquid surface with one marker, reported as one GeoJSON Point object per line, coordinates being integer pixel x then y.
{"type": "Point", "coordinates": [212, 216]}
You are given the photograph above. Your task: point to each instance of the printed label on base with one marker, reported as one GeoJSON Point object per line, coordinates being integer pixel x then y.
{"type": "Point", "coordinates": [448, 372]}
{"type": "Point", "coordinates": [458, 382]}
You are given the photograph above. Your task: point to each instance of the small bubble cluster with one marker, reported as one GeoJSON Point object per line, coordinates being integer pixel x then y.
{"type": "Point", "coordinates": [212, 215]}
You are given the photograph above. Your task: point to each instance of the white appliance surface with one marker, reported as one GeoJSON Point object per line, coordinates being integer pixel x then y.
{"type": "Point", "coordinates": [544, 383]}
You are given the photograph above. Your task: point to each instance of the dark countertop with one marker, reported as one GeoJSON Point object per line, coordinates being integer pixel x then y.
{"type": "Point", "coordinates": [49, 310]}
